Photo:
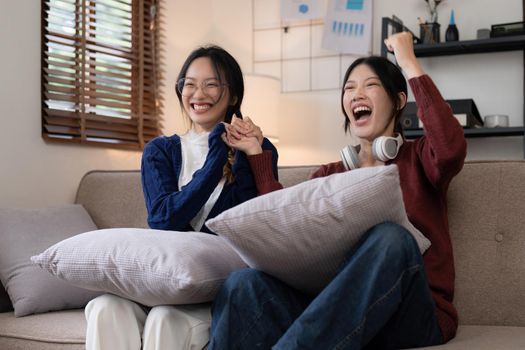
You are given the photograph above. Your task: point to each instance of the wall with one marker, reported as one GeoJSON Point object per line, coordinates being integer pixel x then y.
{"type": "Point", "coordinates": [187, 25]}
{"type": "Point", "coordinates": [36, 174]}
{"type": "Point", "coordinates": [33, 173]}
{"type": "Point", "coordinates": [311, 123]}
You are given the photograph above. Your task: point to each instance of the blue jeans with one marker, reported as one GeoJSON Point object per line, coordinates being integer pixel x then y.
{"type": "Point", "coordinates": [379, 299]}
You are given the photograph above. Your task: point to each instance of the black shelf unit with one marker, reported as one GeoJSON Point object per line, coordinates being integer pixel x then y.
{"type": "Point", "coordinates": [475, 132]}
{"type": "Point", "coordinates": [509, 43]}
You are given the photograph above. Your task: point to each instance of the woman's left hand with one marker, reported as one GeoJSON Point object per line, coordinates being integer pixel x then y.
{"type": "Point", "coordinates": [244, 136]}
{"type": "Point", "coordinates": [402, 45]}
{"type": "Point", "coordinates": [246, 127]}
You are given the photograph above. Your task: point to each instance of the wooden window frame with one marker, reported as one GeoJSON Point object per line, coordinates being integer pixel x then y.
{"type": "Point", "coordinates": [101, 86]}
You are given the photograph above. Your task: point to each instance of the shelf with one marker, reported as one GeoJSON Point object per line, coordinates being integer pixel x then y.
{"type": "Point", "coordinates": [509, 43]}
{"type": "Point", "coordinates": [500, 44]}
{"type": "Point", "coordinates": [476, 132]}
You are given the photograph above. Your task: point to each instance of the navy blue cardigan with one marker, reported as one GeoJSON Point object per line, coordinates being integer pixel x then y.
{"type": "Point", "coordinates": [172, 208]}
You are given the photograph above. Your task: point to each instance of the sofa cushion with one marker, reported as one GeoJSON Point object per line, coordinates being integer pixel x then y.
{"type": "Point", "coordinates": [113, 198]}
{"type": "Point", "coordinates": [294, 175]}
{"type": "Point", "coordinates": [151, 267]}
{"type": "Point", "coordinates": [25, 232]}
{"type": "Point", "coordinates": [302, 234]}
{"type": "Point", "coordinates": [486, 206]}
{"type": "Point", "coordinates": [48, 331]}
{"type": "Point", "coordinates": [485, 338]}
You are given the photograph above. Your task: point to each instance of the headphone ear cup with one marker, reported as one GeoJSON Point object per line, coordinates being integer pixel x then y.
{"type": "Point", "coordinates": [349, 157]}
{"type": "Point", "coordinates": [385, 148]}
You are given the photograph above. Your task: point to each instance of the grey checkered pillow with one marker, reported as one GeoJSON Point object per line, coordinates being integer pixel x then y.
{"type": "Point", "coordinates": [25, 232]}
{"type": "Point", "coordinates": [302, 234]}
{"type": "Point", "coordinates": [151, 267]}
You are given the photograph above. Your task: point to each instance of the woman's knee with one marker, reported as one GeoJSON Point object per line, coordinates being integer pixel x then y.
{"type": "Point", "coordinates": [109, 305]}
{"type": "Point", "coordinates": [393, 238]}
{"type": "Point", "coordinates": [241, 286]}
{"type": "Point", "coordinates": [113, 323]}
{"type": "Point", "coordinates": [243, 278]}
{"type": "Point", "coordinates": [161, 314]}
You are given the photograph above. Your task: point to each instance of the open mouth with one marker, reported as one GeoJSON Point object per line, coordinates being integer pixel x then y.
{"type": "Point", "coordinates": [201, 107]}
{"type": "Point", "coordinates": [362, 112]}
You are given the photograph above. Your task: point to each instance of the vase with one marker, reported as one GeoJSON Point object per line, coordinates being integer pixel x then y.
{"type": "Point", "coordinates": [429, 32]}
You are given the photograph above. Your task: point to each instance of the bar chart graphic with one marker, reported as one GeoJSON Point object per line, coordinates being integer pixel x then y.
{"type": "Point", "coordinates": [348, 28]}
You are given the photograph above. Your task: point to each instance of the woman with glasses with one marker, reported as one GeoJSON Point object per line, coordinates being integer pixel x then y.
{"type": "Point", "coordinates": [221, 161]}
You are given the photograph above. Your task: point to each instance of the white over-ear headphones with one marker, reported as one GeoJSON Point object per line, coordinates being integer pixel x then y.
{"type": "Point", "coordinates": [383, 148]}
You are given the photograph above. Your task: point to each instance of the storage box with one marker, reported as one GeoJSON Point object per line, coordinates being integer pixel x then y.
{"type": "Point", "coordinates": [465, 111]}
{"type": "Point", "coordinates": [507, 29]}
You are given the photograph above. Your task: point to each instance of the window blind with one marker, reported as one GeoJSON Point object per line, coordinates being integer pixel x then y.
{"type": "Point", "coordinates": [100, 72]}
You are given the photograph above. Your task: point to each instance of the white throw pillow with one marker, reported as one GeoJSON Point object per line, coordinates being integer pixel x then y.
{"type": "Point", "coordinates": [151, 267]}
{"type": "Point", "coordinates": [303, 233]}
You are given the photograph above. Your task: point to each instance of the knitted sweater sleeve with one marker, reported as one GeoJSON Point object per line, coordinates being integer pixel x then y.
{"type": "Point", "coordinates": [264, 169]}
{"type": "Point", "coordinates": [170, 207]}
{"type": "Point", "coordinates": [443, 148]}
{"type": "Point", "coordinates": [257, 174]}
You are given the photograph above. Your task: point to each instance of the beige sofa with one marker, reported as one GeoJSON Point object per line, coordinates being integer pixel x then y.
{"type": "Point", "coordinates": [487, 222]}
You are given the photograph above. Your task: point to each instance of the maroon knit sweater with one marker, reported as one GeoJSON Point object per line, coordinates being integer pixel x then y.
{"type": "Point", "coordinates": [426, 167]}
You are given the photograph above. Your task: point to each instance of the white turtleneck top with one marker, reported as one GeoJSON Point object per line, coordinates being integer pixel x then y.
{"type": "Point", "coordinates": [194, 149]}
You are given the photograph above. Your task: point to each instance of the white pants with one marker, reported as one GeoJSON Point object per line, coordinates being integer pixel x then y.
{"type": "Point", "coordinates": [115, 323]}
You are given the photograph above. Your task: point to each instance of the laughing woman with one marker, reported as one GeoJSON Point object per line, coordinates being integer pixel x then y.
{"type": "Point", "coordinates": [220, 162]}
{"type": "Point", "coordinates": [385, 295]}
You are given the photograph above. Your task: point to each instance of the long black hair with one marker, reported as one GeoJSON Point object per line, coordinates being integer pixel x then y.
{"type": "Point", "coordinates": [393, 82]}
{"type": "Point", "coordinates": [226, 68]}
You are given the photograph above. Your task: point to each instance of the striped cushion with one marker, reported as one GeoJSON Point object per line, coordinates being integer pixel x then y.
{"type": "Point", "coordinates": [151, 267]}
{"type": "Point", "coordinates": [301, 234]}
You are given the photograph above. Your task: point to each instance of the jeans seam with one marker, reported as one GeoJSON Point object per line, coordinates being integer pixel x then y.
{"type": "Point", "coordinates": [257, 318]}
{"type": "Point", "coordinates": [346, 339]}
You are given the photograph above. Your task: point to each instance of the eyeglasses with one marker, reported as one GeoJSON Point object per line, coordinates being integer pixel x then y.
{"type": "Point", "coordinates": [210, 87]}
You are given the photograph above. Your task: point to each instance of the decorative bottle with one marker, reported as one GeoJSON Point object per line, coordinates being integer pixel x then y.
{"type": "Point", "coordinates": [452, 31]}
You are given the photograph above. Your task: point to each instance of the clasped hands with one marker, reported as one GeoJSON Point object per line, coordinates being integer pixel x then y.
{"type": "Point", "coordinates": [243, 135]}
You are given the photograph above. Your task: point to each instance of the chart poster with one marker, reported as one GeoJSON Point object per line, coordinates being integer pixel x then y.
{"type": "Point", "coordinates": [293, 10]}
{"type": "Point", "coordinates": [348, 27]}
